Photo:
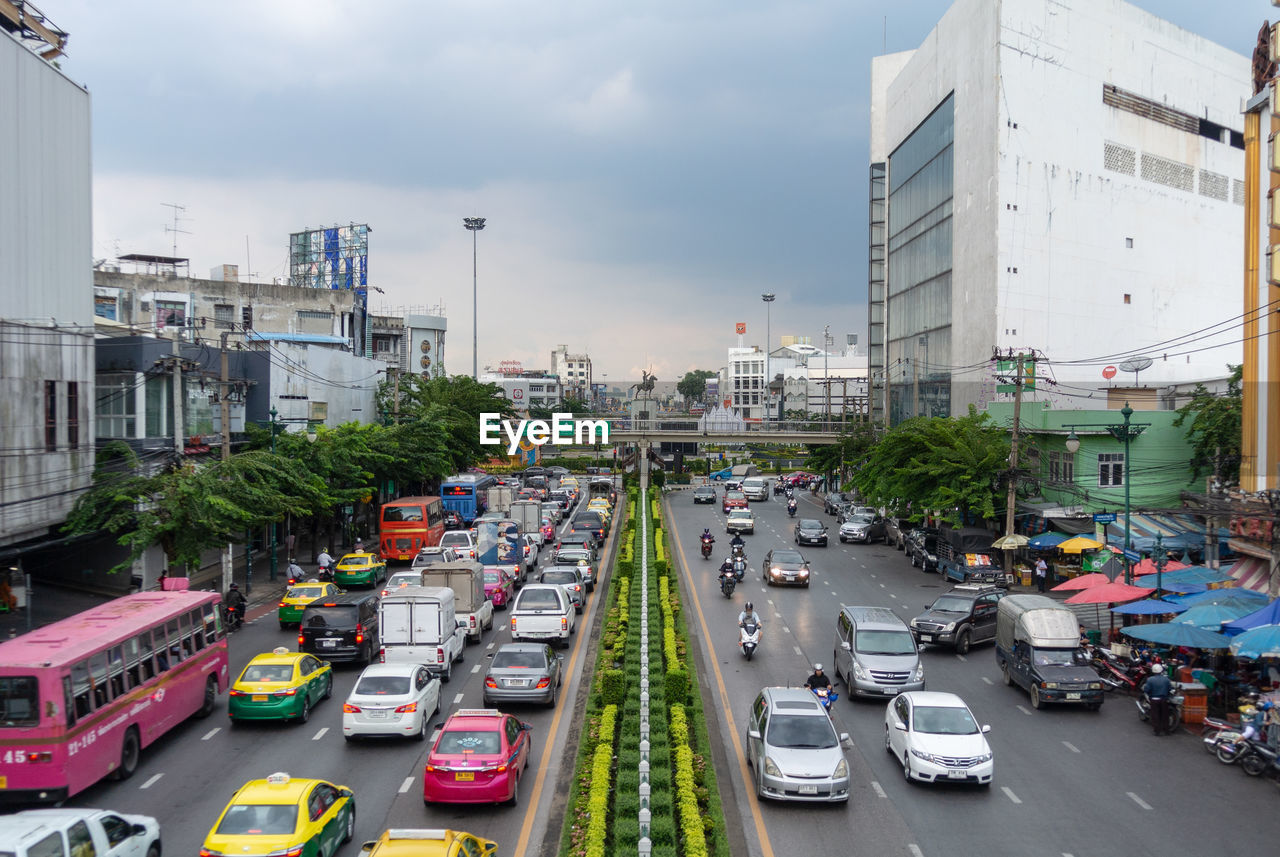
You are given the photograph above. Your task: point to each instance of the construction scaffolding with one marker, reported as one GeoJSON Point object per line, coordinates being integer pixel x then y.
{"type": "Point", "coordinates": [29, 24]}
{"type": "Point", "coordinates": [335, 257]}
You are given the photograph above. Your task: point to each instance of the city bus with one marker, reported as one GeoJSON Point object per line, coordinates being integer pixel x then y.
{"type": "Point", "coordinates": [81, 698]}
{"type": "Point", "coordinates": [467, 494]}
{"type": "Point", "coordinates": [409, 524]}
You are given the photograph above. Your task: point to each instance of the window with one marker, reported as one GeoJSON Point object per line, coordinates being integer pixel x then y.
{"type": "Point", "coordinates": [73, 414]}
{"type": "Point", "coordinates": [1062, 467]}
{"type": "Point", "coordinates": [50, 416]}
{"type": "Point", "coordinates": [50, 846]}
{"type": "Point", "coordinates": [170, 314]}
{"type": "Point", "coordinates": [1110, 469]}
{"type": "Point", "coordinates": [115, 405]}
{"type": "Point", "coordinates": [81, 690]}
{"type": "Point", "coordinates": [80, 840]}
{"type": "Point", "coordinates": [106, 306]}
{"type": "Point", "coordinates": [117, 829]}
{"type": "Point", "coordinates": [19, 701]}
{"type": "Point", "coordinates": [246, 317]}
{"type": "Point", "coordinates": [224, 316]}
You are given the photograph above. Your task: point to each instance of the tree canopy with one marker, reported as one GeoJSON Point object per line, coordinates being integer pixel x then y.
{"type": "Point", "coordinates": [693, 386]}
{"type": "Point", "coordinates": [1214, 427]}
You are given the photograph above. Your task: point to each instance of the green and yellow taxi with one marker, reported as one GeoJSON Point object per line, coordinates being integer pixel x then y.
{"type": "Point", "coordinates": [283, 816]}
{"type": "Point", "coordinates": [431, 842]}
{"type": "Point", "coordinates": [603, 507]}
{"type": "Point", "coordinates": [298, 596]}
{"type": "Point", "coordinates": [280, 685]}
{"type": "Point", "coordinates": [360, 569]}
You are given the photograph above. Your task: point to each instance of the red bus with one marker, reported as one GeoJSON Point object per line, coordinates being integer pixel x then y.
{"type": "Point", "coordinates": [80, 698]}
{"type": "Point", "coordinates": [408, 525]}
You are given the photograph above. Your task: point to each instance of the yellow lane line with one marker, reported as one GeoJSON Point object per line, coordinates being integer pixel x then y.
{"type": "Point", "coordinates": [752, 801]}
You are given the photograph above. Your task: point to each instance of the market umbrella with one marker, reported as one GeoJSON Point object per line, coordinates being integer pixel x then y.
{"type": "Point", "coordinates": [1190, 574]}
{"type": "Point", "coordinates": [1173, 634]}
{"type": "Point", "coordinates": [1011, 542]}
{"type": "Point", "coordinates": [1260, 642]}
{"type": "Point", "coordinates": [1047, 540]}
{"type": "Point", "coordinates": [1148, 566]}
{"type": "Point", "coordinates": [1084, 581]}
{"type": "Point", "coordinates": [1210, 617]}
{"type": "Point", "coordinates": [1149, 607]}
{"type": "Point", "coordinates": [1268, 614]}
{"type": "Point", "coordinates": [1109, 593]}
{"type": "Point", "coordinates": [1229, 597]}
{"type": "Point", "coordinates": [1079, 544]}
{"type": "Point", "coordinates": [1180, 586]}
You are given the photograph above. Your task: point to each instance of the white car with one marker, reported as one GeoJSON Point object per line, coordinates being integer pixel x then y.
{"type": "Point", "coordinates": [462, 542]}
{"type": "Point", "coordinates": [391, 699]}
{"type": "Point", "coordinates": [401, 579]}
{"type": "Point", "coordinates": [740, 521]}
{"type": "Point", "coordinates": [936, 739]}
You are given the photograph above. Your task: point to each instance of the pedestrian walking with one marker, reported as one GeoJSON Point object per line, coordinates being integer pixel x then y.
{"type": "Point", "coordinates": [289, 542]}
{"type": "Point", "coordinates": [1042, 570]}
{"type": "Point", "coordinates": [1157, 687]}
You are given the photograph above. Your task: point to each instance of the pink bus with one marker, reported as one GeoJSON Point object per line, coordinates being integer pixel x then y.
{"type": "Point", "coordinates": [80, 698]}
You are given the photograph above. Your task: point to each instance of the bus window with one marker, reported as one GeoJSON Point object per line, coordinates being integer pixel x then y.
{"type": "Point", "coordinates": [212, 623]}
{"type": "Point", "coordinates": [19, 701]}
{"type": "Point", "coordinates": [198, 625]}
{"type": "Point", "coordinates": [175, 643]}
{"type": "Point", "coordinates": [132, 669]}
{"type": "Point", "coordinates": [80, 689]}
{"type": "Point", "coordinates": [146, 659]}
{"type": "Point", "coordinates": [401, 514]}
{"type": "Point", "coordinates": [162, 651]}
{"type": "Point", "coordinates": [98, 675]}
{"type": "Point", "coordinates": [434, 514]}
{"type": "Point", "coordinates": [68, 701]}
{"type": "Point", "coordinates": [115, 670]}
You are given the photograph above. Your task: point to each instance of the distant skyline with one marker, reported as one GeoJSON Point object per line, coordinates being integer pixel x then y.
{"type": "Point", "coordinates": [646, 172]}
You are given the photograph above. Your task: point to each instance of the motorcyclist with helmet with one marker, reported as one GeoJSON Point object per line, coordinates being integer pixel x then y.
{"type": "Point", "coordinates": [325, 561]}
{"type": "Point", "coordinates": [294, 571]}
{"type": "Point", "coordinates": [791, 507]}
{"type": "Point", "coordinates": [818, 679]}
{"type": "Point", "coordinates": [235, 602]}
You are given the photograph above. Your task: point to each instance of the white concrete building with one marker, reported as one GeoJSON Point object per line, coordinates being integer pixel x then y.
{"type": "Point", "coordinates": [574, 372]}
{"type": "Point", "coordinates": [743, 384]}
{"type": "Point", "coordinates": [1063, 179]}
{"type": "Point", "coordinates": [527, 391]}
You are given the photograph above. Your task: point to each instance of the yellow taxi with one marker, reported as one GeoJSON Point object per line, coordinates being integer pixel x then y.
{"type": "Point", "coordinates": [280, 685]}
{"type": "Point", "coordinates": [284, 816]}
{"type": "Point", "coordinates": [298, 596]}
{"type": "Point", "coordinates": [361, 568]}
{"type": "Point", "coordinates": [600, 505]}
{"type": "Point", "coordinates": [431, 842]}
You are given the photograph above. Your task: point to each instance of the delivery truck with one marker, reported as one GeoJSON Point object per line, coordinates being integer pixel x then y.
{"type": "Point", "coordinates": [1037, 643]}
{"type": "Point", "coordinates": [471, 606]}
{"type": "Point", "coordinates": [528, 517]}
{"type": "Point", "coordinates": [418, 625]}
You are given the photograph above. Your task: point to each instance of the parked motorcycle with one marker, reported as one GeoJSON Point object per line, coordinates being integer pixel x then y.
{"type": "Point", "coordinates": [1213, 730]}
{"type": "Point", "coordinates": [1251, 754]}
{"type": "Point", "coordinates": [1174, 710]}
{"type": "Point", "coordinates": [826, 696]}
{"type": "Point", "coordinates": [1119, 673]}
{"type": "Point", "coordinates": [728, 581]}
{"type": "Point", "coordinates": [749, 637]}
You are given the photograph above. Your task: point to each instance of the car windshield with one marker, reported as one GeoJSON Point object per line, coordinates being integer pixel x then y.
{"type": "Point", "coordinates": [786, 557]}
{"type": "Point", "coordinates": [886, 643]}
{"type": "Point", "coordinates": [305, 592]}
{"type": "Point", "coordinates": [801, 732]}
{"type": "Point", "coordinates": [570, 557]}
{"type": "Point", "coordinates": [346, 616]}
{"type": "Point", "coordinates": [859, 519]}
{"type": "Point", "coordinates": [352, 559]}
{"type": "Point", "coordinates": [267, 672]}
{"type": "Point", "coordinates": [559, 577]}
{"type": "Point", "coordinates": [1054, 657]}
{"type": "Point", "coordinates": [19, 701]}
{"type": "Point", "coordinates": [460, 741]}
{"type": "Point", "coordinates": [808, 524]}
{"type": "Point", "coordinates": [259, 820]}
{"type": "Point", "coordinates": [939, 720]}
{"type": "Point", "coordinates": [492, 577]}
{"type": "Point", "coordinates": [740, 513]}
{"type": "Point", "coordinates": [734, 495]}
{"type": "Point", "coordinates": [405, 578]}
{"type": "Point", "coordinates": [519, 660]}
{"type": "Point", "coordinates": [383, 685]}
{"type": "Point", "coordinates": [952, 604]}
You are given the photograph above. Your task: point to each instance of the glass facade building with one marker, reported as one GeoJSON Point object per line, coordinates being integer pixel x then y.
{"type": "Point", "coordinates": [917, 321]}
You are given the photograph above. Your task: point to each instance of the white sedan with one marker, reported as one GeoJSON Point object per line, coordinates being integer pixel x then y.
{"type": "Point", "coordinates": [936, 738]}
{"type": "Point", "coordinates": [391, 699]}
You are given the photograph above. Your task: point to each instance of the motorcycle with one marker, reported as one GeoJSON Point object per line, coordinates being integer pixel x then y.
{"type": "Point", "coordinates": [1213, 730]}
{"type": "Point", "coordinates": [739, 569]}
{"type": "Point", "coordinates": [1174, 709]}
{"type": "Point", "coordinates": [706, 548]}
{"type": "Point", "coordinates": [232, 616]}
{"type": "Point", "coordinates": [791, 508]}
{"type": "Point", "coordinates": [1119, 673]}
{"type": "Point", "coordinates": [826, 696]}
{"type": "Point", "coordinates": [1251, 754]}
{"type": "Point", "coordinates": [749, 638]}
{"type": "Point", "coordinates": [738, 552]}
{"type": "Point", "coordinates": [727, 584]}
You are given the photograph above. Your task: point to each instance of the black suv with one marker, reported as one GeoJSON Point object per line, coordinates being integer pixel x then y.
{"type": "Point", "coordinates": [341, 628]}
{"type": "Point", "coordinates": [833, 500]}
{"type": "Point", "coordinates": [960, 618]}
{"type": "Point", "coordinates": [922, 548]}
{"type": "Point", "coordinates": [704, 494]}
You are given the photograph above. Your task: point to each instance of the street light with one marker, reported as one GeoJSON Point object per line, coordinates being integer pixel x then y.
{"type": "Point", "coordinates": [768, 298]}
{"type": "Point", "coordinates": [1123, 432]}
{"type": "Point", "coordinates": [274, 559]}
{"type": "Point", "coordinates": [474, 225]}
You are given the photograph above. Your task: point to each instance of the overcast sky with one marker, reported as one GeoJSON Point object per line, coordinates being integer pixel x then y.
{"type": "Point", "coordinates": [647, 169]}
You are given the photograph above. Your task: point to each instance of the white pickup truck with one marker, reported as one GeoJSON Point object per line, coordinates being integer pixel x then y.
{"type": "Point", "coordinates": [71, 832]}
{"type": "Point", "coordinates": [543, 612]}
{"type": "Point", "coordinates": [418, 625]}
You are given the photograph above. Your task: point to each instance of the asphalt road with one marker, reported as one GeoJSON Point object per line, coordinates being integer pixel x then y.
{"type": "Point", "coordinates": [186, 779]}
{"type": "Point", "coordinates": [1067, 781]}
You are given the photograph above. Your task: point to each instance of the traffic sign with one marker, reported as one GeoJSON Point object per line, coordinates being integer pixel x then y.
{"type": "Point", "coordinates": [1132, 555]}
{"type": "Point", "coordinates": [1104, 518]}
{"type": "Point", "coordinates": [1108, 372]}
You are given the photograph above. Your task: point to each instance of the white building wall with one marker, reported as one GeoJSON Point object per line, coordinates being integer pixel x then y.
{"type": "Point", "coordinates": [342, 384]}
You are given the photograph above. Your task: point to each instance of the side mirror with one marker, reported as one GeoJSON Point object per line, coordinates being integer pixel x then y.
{"type": "Point", "coordinates": [753, 734]}
{"type": "Point", "coordinates": [900, 726]}
{"type": "Point", "coordinates": [986, 728]}
{"type": "Point", "coordinates": [844, 644]}
{"type": "Point", "coordinates": [526, 727]}
{"type": "Point", "coordinates": [490, 848]}
{"type": "Point", "coordinates": [137, 830]}
{"type": "Point", "coordinates": [559, 657]}
{"type": "Point", "coordinates": [845, 739]}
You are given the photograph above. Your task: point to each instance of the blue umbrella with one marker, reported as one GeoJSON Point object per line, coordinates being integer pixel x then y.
{"type": "Point", "coordinates": [1178, 586]}
{"type": "Point", "coordinates": [1260, 642]}
{"type": "Point", "coordinates": [1149, 607]}
{"type": "Point", "coordinates": [1192, 574]}
{"type": "Point", "coordinates": [1047, 540]}
{"type": "Point", "coordinates": [1209, 617]}
{"type": "Point", "coordinates": [1232, 597]}
{"type": "Point", "coordinates": [1269, 614]}
{"type": "Point", "coordinates": [1173, 634]}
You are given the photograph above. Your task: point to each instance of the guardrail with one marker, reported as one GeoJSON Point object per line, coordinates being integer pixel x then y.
{"type": "Point", "coordinates": [761, 427]}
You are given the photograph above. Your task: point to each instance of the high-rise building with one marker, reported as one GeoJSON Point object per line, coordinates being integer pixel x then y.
{"type": "Point", "coordinates": [1057, 180]}
{"type": "Point", "coordinates": [574, 371]}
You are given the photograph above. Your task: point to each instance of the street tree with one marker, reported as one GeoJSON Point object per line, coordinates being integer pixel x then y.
{"type": "Point", "coordinates": [1214, 427]}
{"type": "Point", "coordinates": [693, 386]}
{"type": "Point", "coordinates": [459, 402]}
{"type": "Point", "coordinates": [847, 454]}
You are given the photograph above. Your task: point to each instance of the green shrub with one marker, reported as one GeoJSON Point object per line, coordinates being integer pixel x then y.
{"type": "Point", "coordinates": [678, 685]}
{"type": "Point", "coordinates": [613, 687]}
{"type": "Point", "coordinates": [687, 811]}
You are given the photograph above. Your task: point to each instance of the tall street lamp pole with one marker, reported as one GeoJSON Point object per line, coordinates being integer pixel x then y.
{"type": "Point", "coordinates": [768, 298]}
{"type": "Point", "coordinates": [474, 225]}
{"type": "Point", "coordinates": [1123, 432]}
{"type": "Point", "coordinates": [274, 559]}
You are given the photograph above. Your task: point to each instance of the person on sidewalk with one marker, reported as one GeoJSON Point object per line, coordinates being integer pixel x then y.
{"type": "Point", "coordinates": [1042, 570]}
{"type": "Point", "coordinates": [1157, 687]}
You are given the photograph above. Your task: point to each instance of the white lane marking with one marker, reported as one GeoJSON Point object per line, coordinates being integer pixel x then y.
{"type": "Point", "coordinates": [1008, 791]}
{"type": "Point", "coordinates": [882, 586]}
{"type": "Point", "coordinates": [406, 785]}
{"type": "Point", "coordinates": [878, 789]}
{"type": "Point", "coordinates": [457, 699]}
{"type": "Point", "coordinates": [475, 669]}
{"type": "Point", "coordinates": [1072, 747]}
{"type": "Point", "coordinates": [826, 583]}
{"type": "Point", "coordinates": [914, 849]}
{"type": "Point", "coordinates": [490, 646]}
{"type": "Point", "coordinates": [872, 576]}
{"type": "Point", "coordinates": [1139, 801]}
{"type": "Point", "coordinates": [151, 782]}
{"type": "Point", "coordinates": [1024, 710]}
{"type": "Point", "coordinates": [987, 680]}
{"type": "Point", "coordinates": [961, 657]}
{"type": "Point", "coordinates": [214, 731]}
{"type": "Point", "coordinates": [320, 734]}
{"type": "Point", "coordinates": [785, 629]}
{"type": "Point", "coordinates": [893, 595]}
{"type": "Point", "coordinates": [798, 652]}
{"type": "Point", "coordinates": [770, 601]}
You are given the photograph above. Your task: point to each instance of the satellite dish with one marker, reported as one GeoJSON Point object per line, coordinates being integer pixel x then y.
{"type": "Point", "coordinates": [1136, 364]}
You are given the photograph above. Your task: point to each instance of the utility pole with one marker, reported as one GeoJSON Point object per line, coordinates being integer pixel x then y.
{"type": "Point", "coordinates": [224, 409]}
{"type": "Point", "coordinates": [178, 423]}
{"type": "Point", "coordinates": [1012, 495]}
{"type": "Point", "coordinates": [826, 368]}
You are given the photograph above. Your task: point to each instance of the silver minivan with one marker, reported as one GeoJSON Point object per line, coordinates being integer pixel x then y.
{"type": "Point", "coordinates": [756, 488]}
{"type": "Point", "coordinates": [875, 654]}
{"type": "Point", "coordinates": [793, 750]}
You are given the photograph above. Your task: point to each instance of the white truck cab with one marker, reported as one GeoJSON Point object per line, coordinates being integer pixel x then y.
{"type": "Point", "coordinates": [72, 832]}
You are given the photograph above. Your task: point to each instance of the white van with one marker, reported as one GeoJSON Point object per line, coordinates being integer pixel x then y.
{"type": "Point", "coordinates": [756, 488]}
{"type": "Point", "coordinates": [418, 625]}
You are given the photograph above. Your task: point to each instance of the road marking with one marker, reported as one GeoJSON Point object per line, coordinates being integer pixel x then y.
{"type": "Point", "coordinates": [987, 680]}
{"type": "Point", "coordinates": [798, 652]}
{"type": "Point", "coordinates": [320, 734]}
{"type": "Point", "coordinates": [406, 785]}
{"type": "Point", "coordinates": [914, 849]}
{"type": "Point", "coordinates": [458, 699]}
{"type": "Point", "coordinates": [770, 601]}
{"type": "Point", "coordinates": [882, 586]}
{"type": "Point", "coordinates": [961, 657]}
{"type": "Point", "coordinates": [490, 646]}
{"type": "Point", "coordinates": [1139, 801]}
{"type": "Point", "coordinates": [1024, 710]}
{"type": "Point", "coordinates": [893, 595]}
{"type": "Point", "coordinates": [214, 731]}
{"type": "Point", "coordinates": [434, 736]}
{"type": "Point", "coordinates": [878, 789]}
{"type": "Point", "coordinates": [1008, 791]}
{"type": "Point", "coordinates": [151, 782]}
{"type": "Point", "coordinates": [1072, 747]}
{"type": "Point", "coordinates": [872, 576]}
{"type": "Point", "coordinates": [475, 669]}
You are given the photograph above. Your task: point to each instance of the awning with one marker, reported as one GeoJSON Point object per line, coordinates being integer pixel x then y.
{"type": "Point", "coordinates": [1067, 519]}
{"type": "Point", "coordinates": [1176, 531]}
{"type": "Point", "coordinates": [1252, 573]}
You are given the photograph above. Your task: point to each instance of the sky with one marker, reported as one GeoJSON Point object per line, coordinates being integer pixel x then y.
{"type": "Point", "coordinates": [647, 170]}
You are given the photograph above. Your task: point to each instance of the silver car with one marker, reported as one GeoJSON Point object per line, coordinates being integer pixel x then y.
{"type": "Point", "coordinates": [523, 672]}
{"type": "Point", "coordinates": [570, 579]}
{"type": "Point", "coordinates": [581, 559]}
{"type": "Point", "coordinates": [793, 750]}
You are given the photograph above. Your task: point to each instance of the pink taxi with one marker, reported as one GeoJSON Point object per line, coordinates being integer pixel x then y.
{"type": "Point", "coordinates": [479, 757]}
{"type": "Point", "coordinates": [548, 531]}
{"type": "Point", "coordinates": [499, 586]}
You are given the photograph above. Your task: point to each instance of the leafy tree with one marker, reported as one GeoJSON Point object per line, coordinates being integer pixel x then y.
{"type": "Point", "coordinates": [849, 451]}
{"type": "Point", "coordinates": [693, 386]}
{"type": "Point", "coordinates": [458, 403]}
{"type": "Point", "coordinates": [1215, 428]}
{"type": "Point", "coordinates": [576, 407]}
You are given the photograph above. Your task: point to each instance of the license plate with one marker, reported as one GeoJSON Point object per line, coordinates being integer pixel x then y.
{"type": "Point", "coordinates": [518, 682]}
{"type": "Point", "coordinates": [329, 644]}
{"type": "Point", "coordinates": [258, 698]}
{"type": "Point", "coordinates": [926, 638]}
{"type": "Point", "coordinates": [808, 790]}
{"type": "Point", "coordinates": [891, 691]}
{"type": "Point", "coordinates": [377, 714]}
{"type": "Point", "coordinates": [464, 776]}
{"type": "Point", "coordinates": [957, 775]}
{"type": "Point", "coordinates": [1073, 696]}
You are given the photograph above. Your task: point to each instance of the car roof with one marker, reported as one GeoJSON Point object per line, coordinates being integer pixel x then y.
{"type": "Point", "coordinates": [794, 700]}
{"type": "Point", "coordinates": [404, 842]}
{"type": "Point", "coordinates": [522, 647]}
{"type": "Point", "coordinates": [471, 718]}
{"type": "Point", "coordinates": [281, 658]}
{"type": "Point", "coordinates": [344, 599]}
{"type": "Point", "coordinates": [290, 792]}
{"type": "Point", "coordinates": [935, 698]}
{"type": "Point", "coordinates": [406, 669]}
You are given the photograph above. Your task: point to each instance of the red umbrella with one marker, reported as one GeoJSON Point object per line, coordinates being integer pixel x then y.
{"type": "Point", "coordinates": [1109, 593]}
{"type": "Point", "coordinates": [1148, 566]}
{"type": "Point", "coordinates": [1084, 581]}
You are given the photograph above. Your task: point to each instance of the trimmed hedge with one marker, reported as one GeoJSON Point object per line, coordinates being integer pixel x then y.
{"type": "Point", "coordinates": [598, 796]}
{"type": "Point", "coordinates": [690, 814]}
